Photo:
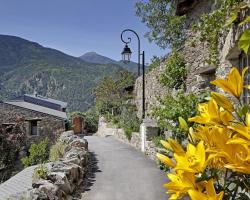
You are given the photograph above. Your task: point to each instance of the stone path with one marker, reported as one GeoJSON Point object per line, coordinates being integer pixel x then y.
{"type": "Point", "coordinates": [18, 183]}
{"type": "Point", "coordinates": [123, 173]}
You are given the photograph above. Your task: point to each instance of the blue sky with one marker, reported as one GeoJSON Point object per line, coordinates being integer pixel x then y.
{"type": "Point", "coordinates": [76, 26]}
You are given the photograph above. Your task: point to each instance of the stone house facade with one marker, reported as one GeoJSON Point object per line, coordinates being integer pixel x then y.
{"type": "Point", "coordinates": [199, 73]}
{"type": "Point", "coordinates": [38, 121]}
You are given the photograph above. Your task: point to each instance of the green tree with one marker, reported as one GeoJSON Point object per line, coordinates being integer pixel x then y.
{"type": "Point", "coordinates": [110, 94]}
{"type": "Point", "coordinates": [166, 29]}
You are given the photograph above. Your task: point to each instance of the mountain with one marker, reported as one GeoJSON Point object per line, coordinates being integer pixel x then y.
{"type": "Point", "coordinates": [27, 66]}
{"type": "Point", "coordinates": [94, 57]}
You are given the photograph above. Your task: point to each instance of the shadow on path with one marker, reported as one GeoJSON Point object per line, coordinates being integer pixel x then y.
{"type": "Point", "coordinates": [92, 170]}
{"type": "Point", "coordinates": [90, 177]}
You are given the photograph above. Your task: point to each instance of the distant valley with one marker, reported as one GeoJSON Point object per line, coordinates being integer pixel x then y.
{"type": "Point", "coordinates": [26, 67]}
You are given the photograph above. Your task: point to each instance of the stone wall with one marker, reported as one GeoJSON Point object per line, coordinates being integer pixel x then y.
{"type": "Point", "coordinates": [63, 176]}
{"type": "Point", "coordinates": [48, 126]}
{"type": "Point", "coordinates": [194, 53]}
{"type": "Point", "coordinates": [108, 129]}
{"type": "Point", "coordinates": [153, 90]}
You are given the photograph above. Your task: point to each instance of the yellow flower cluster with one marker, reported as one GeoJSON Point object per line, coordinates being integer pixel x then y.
{"type": "Point", "coordinates": [220, 140]}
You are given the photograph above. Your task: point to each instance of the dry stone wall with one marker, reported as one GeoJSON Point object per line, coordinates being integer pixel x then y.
{"type": "Point", "coordinates": [153, 90]}
{"type": "Point", "coordinates": [64, 176]}
{"type": "Point", "coordinates": [108, 129]}
{"type": "Point", "coordinates": [194, 52]}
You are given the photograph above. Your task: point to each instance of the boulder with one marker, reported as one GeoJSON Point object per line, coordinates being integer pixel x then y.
{"type": "Point", "coordinates": [72, 171]}
{"type": "Point", "coordinates": [80, 143]}
{"type": "Point", "coordinates": [61, 181]}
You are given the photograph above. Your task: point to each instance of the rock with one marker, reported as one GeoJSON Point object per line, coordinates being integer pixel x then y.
{"type": "Point", "coordinates": [75, 152]}
{"type": "Point", "coordinates": [64, 175]}
{"type": "Point", "coordinates": [44, 189]}
{"type": "Point", "coordinates": [81, 143]}
{"type": "Point", "coordinates": [72, 171]}
{"type": "Point", "coordinates": [61, 181]}
{"type": "Point", "coordinates": [67, 137]}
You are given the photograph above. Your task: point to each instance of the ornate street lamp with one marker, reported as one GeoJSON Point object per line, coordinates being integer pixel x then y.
{"type": "Point", "coordinates": [126, 56]}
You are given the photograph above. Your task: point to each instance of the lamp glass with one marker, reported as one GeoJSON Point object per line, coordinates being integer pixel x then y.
{"type": "Point", "coordinates": [126, 54]}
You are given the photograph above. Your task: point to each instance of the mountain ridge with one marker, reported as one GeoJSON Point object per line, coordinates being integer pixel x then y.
{"type": "Point", "coordinates": [94, 57]}
{"type": "Point", "coordinates": [27, 66]}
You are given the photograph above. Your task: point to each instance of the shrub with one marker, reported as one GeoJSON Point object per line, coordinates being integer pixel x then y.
{"type": "Point", "coordinates": [171, 108]}
{"type": "Point", "coordinates": [175, 72]}
{"type": "Point", "coordinates": [157, 140]}
{"type": "Point", "coordinates": [12, 138]}
{"type": "Point", "coordinates": [129, 121]}
{"type": "Point", "coordinates": [57, 151]}
{"type": "Point", "coordinates": [91, 120]}
{"type": "Point", "coordinates": [38, 153]}
{"type": "Point", "coordinates": [40, 172]}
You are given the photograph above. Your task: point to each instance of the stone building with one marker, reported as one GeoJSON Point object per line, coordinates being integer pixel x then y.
{"type": "Point", "coordinates": [199, 73]}
{"type": "Point", "coordinates": [42, 117]}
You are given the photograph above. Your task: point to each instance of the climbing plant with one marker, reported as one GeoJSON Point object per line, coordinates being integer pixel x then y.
{"type": "Point", "coordinates": [211, 25]}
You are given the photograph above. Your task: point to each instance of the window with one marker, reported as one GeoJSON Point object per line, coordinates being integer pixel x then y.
{"type": "Point", "coordinates": [244, 61]}
{"type": "Point", "coordinates": [33, 128]}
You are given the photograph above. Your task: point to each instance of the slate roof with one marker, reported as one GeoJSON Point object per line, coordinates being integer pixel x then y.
{"type": "Point", "coordinates": [54, 101]}
{"type": "Point", "coordinates": [37, 108]}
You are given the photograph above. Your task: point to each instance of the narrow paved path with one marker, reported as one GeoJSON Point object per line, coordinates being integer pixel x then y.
{"type": "Point", "coordinates": [123, 173]}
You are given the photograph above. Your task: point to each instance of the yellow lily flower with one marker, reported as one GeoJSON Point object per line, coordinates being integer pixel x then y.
{"type": "Point", "coordinates": [209, 195]}
{"type": "Point", "coordinates": [241, 155]}
{"type": "Point", "coordinates": [194, 160]}
{"type": "Point", "coordinates": [172, 145]}
{"type": "Point", "coordinates": [211, 114]}
{"type": "Point", "coordinates": [222, 101]}
{"type": "Point", "coordinates": [175, 196]}
{"type": "Point", "coordinates": [166, 160]}
{"type": "Point", "coordinates": [180, 184]}
{"type": "Point", "coordinates": [234, 82]}
{"type": "Point", "coordinates": [183, 124]}
{"type": "Point", "coordinates": [248, 119]}
{"type": "Point", "coordinates": [243, 130]}
{"type": "Point", "coordinates": [214, 145]}
{"type": "Point", "coordinates": [208, 113]}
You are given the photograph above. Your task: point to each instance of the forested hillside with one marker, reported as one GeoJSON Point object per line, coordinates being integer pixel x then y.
{"type": "Point", "coordinates": [26, 67]}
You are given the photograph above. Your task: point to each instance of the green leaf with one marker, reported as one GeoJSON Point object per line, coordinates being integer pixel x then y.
{"type": "Point", "coordinates": [246, 20]}
{"type": "Point", "coordinates": [231, 19]}
{"type": "Point", "coordinates": [244, 41]}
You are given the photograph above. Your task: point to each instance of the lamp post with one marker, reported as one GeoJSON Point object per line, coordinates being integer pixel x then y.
{"type": "Point", "coordinates": [126, 55]}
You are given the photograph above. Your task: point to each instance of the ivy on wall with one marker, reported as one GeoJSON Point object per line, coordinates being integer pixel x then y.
{"type": "Point", "coordinates": [211, 25]}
